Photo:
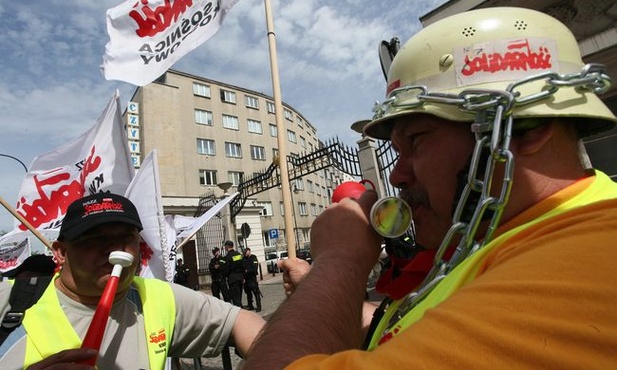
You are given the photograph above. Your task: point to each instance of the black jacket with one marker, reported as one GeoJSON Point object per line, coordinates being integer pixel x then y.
{"type": "Point", "coordinates": [235, 266]}
{"type": "Point", "coordinates": [251, 267]}
{"type": "Point", "coordinates": [218, 268]}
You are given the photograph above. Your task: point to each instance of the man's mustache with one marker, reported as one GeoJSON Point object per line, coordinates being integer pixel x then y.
{"type": "Point", "coordinates": [415, 197]}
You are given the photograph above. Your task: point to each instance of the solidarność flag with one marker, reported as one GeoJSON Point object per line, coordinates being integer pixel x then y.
{"type": "Point", "coordinates": [147, 37]}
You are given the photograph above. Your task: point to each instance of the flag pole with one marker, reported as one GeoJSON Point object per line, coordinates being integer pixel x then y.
{"type": "Point", "coordinates": [25, 223]}
{"type": "Point", "coordinates": [281, 136]}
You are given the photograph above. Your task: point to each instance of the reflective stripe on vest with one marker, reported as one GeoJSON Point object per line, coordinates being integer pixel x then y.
{"type": "Point", "coordinates": [45, 319]}
{"type": "Point", "coordinates": [591, 190]}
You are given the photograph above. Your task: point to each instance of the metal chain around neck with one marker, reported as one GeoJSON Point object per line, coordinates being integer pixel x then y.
{"type": "Point", "coordinates": [492, 128]}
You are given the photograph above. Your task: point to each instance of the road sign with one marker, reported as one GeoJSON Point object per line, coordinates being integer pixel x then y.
{"type": "Point", "coordinates": [274, 233]}
{"type": "Point", "coordinates": [246, 230]}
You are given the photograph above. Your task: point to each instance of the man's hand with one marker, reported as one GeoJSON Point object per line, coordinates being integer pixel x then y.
{"type": "Point", "coordinates": [294, 270]}
{"type": "Point", "coordinates": [68, 359]}
{"type": "Point", "coordinates": [343, 234]}
{"type": "Point", "coordinates": [327, 313]}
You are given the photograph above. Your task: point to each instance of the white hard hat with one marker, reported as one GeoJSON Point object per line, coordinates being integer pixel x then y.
{"type": "Point", "coordinates": [493, 49]}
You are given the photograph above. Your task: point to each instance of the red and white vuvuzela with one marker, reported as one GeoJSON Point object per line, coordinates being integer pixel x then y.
{"type": "Point", "coordinates": [96, 330]}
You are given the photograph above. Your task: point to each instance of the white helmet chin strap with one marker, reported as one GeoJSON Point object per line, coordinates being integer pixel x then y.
{"type": "Point", "coordinates": [492, 128]}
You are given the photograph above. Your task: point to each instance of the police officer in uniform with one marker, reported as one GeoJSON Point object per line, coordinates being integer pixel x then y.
{"type": "Point", "coordinates": [235, 272]}
{"type": "Point", "coordinates": [251, 287]}
{"type": "Point", "coordinates": [218, 269]}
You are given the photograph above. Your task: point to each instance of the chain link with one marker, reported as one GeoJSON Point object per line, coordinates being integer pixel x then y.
{"type": "Point", "coordinates": [493, 131]}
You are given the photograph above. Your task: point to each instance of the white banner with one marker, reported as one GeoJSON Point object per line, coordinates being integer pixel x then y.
{"type": "Point", "coordinates": [147, 37]}
{"type": "Point", "coordinates": [145, 193]}
{"type": "Point", "coordinates": [96, 161]}
{"type": "Point", "coordinates": [14, 249]}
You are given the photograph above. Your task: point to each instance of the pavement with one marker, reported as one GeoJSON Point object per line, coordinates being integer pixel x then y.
{"type": "Point", "coordinates": [271, 287]}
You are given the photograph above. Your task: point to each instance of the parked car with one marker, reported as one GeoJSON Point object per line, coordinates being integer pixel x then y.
{"type": "Point", "coordinates": [304, 254]}
{"type": "Point", "coordinates": [283, 256]}
{"type": "Point", "coordinates": [271, 259]}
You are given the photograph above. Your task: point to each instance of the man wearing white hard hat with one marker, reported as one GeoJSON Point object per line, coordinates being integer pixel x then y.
{"type": "Point", "coordinates": [486, 110]}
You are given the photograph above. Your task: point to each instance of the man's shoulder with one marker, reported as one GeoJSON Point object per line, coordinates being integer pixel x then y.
{"type": "Point", "coordinates": [5, 292]}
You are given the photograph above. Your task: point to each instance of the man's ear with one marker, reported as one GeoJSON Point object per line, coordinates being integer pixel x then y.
{"type": "Point", "coordinates": [59, 250]}
{"type": "Point", "coordinates": [533, 140]}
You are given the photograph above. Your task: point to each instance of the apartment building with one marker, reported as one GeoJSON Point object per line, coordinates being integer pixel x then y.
{"type": "Point", "coordinates": [208, 133]}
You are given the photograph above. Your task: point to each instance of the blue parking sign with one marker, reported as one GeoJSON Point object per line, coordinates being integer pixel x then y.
{"type": "Point", "coordinates": [274, 233]}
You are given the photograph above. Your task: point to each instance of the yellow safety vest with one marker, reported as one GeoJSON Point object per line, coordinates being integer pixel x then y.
{"type": "Point", "coordinates": [601, 188]}
{"type": "Point", "coordinates": [45, 320]}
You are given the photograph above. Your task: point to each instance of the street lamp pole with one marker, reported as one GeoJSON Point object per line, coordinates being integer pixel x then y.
{"type": "Point", "coordinates": [17, 159]}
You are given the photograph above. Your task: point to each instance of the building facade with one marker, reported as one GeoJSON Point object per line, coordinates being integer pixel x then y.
{"type": "Point", "coordinates": [210, 137]}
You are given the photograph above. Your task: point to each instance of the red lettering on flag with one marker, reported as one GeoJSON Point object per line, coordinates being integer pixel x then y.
{"type": "Point", "coordinates": [159, 19]}
{"type": "Point", "coordinates": [53, 203]}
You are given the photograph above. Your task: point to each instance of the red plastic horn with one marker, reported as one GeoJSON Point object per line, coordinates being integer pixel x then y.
{"type": "Point", "coordinates": [350, 189]}
{"type": "Point", "coordinates": [96, 330]}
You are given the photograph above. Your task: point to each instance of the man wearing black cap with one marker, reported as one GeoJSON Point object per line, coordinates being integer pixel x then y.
{"type": "Point", "coordinates": [218, 270]}
{"type": "Point", "coordinates": [150, 319]}
{"type": "Point", "coordinates": [235, 272]}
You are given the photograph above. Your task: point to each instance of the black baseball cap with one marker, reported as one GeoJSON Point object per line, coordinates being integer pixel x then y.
{"type": "Point", "coordinates": [94, 210]}
{"type": "Point", "coordinates": [40, 264]}
{"type": "Point", "coordinates": [228, 243]}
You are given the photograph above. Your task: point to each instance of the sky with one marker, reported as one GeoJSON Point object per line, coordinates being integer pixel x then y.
{"type": "Point", "coordinates": [52, 89]}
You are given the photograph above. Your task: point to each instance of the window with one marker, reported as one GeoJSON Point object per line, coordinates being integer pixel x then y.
{"type": "Point", "coordinates": [302, 207]}
{"type": "Point", "coordinates": [228, 96]}
{"type": "Point", "coordinates": [235, 177]}
{"type": "Point", "coordinates": [230, 122]}
{"type": "Point", "coordinates": [266, 208]}
{"type": "Point", "coordinates": [299, 122]}
{"type": "Point", "coordinates": [207, 177]}
{"type": "Point", "coordinates": [252, 102]}
{"type": "Point", "coordinates": [205, 146]}
{"type": "Point", "coordinates": [271, 108]}
{"type": "Point", "coordinates": [291, 136]}
{"type": "Point", "coordinates": [302, 142]}
{"type": "Point", "coordinates": [258, 152]}
{"type": "Point", "coordinates": [282, 209]}
{"type": "Point", "coordinates": [203, 117]}
{"type": "Point", "coordinates": [306, 234]}
{"type": "Point", "coordinates": [289, 115]}
{"type": "Point", "coordinates": [275, 158]}
{"type": "Point", "coordinates": [201, 90]}
{"type": "Point", "coordinates": [273, 131]}
{"type": "Point", "coordinates": [299, 184]}
{"type": "Point", "coordinates": [309, 186]}
{"type": "Point", "coordinates": [255, 126]}
{"type": "Point", "coordinates": [233, 150]}
{"type": "Point", "coordinates": [313, 209]}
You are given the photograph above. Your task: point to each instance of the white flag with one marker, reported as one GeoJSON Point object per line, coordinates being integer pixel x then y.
{"type": "Point", "coordinates": [14, 249]}
{"type": "Point", "coordinates": [201, 220]}
{"type": "Point", "coordinates": [98, 160]}
{"type": "Point", "coordinates": [145, 193]}
{"type": "Point", "coordinates": [147, 37]}
{"type": "Point", "coordinates": [182, 223]}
